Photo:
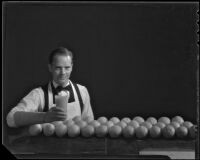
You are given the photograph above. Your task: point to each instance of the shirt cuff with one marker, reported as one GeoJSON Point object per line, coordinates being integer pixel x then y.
{"type": "Point", "coordinates": [10, 119]}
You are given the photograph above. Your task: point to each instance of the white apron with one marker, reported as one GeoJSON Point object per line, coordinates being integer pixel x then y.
{"type": "Point", "coordinates": [73, 108]}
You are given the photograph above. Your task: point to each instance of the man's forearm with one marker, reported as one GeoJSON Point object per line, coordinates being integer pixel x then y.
{"type": "Point", "coordinates": [28, 118]}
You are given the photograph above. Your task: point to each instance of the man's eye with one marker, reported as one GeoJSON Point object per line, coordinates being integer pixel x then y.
{"type": "Point", "coordinates": [59, 68]}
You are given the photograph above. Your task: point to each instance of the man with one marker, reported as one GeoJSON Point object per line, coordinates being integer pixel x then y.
{"type": "Point", "coordinates": [39, 105]}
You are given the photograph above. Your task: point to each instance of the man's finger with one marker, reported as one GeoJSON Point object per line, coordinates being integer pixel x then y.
{"type": "Point", "coordinates": [56, 109]}
{"type": "Point", "coordinates": [60, 114]}
{"type": "Point", "coordinates": [60, 117]}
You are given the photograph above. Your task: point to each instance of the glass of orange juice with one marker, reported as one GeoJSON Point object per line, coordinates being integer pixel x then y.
{"type": "Point", "coordinates": [61, 100]}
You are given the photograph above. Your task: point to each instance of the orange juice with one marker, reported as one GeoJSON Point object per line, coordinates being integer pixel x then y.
{"type": "Point", "coordinates": [61, 100]}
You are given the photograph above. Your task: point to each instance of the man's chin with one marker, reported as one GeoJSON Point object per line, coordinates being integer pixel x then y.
{"type": "Point", "coordinates": [63, 82]}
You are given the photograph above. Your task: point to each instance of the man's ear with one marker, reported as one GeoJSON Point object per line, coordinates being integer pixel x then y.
{"type": "Point", "coordinates": [72, 66]}
{"type": "Point", "coordinates": [50, 68]}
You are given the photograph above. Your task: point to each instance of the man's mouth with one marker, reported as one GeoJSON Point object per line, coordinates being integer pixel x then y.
{"type": "Point", "coordinates": [62, 78]}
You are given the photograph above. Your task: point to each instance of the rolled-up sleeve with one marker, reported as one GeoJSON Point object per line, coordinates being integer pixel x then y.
{"type": "Point", "coordinates": [30, 103]}
{"type": "Point", "coordinates": [87, 109]}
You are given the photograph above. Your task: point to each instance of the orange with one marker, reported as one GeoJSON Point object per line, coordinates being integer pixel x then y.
{"type": "Point", "coordinates": [128, 132]}
{"type": "Point", "coordinates": [57, 122]}
{"type": "Point", "coordinates": [187, 124]}
{"type": "Point", "coordinates": [60, 130]}
{"type": "Point", "coordinates": [126, 119]}
{"type": "Point", "coordinates": [73, 130]}
{"type": "Point", "coordinates": [108, 124]}
{"type": "Point", "coordinates": [175, 124]}
{"type": "Point", "coordinates": [148, 125]}
{"type": "Point", "coordinates": [114, 120]}
{"type": "Point", "coordinates": [81, 123]}
{"type": "Point", "coordinates": [102, 120]}
{"type": "Point", "coordinates": [155, 132]}
{"type": "Point", "coordinates": [134, 124]}
{"type": "Point", "coordinates": [152, 120]}
{"type": "Point", "coordinates": [101, 131]}
{"type": "Point", "coordinates": [68, 122]}
{"type": "Point", "coordinates": [115, 131]}
{"type": "Point", "coordinates": [181, 132]}
{"type": "Point", "coordinates": [192, 132]}
{"type": "Point", "coordinates": [178, 119]}
{"type": "Point", "coordinates": [77, 118]}
{"type": "Point", "coordinates": [35, 129]}
{"type": "Point", "coordinates": [141, 132]}
{"type": "Point", "coordinates": [160, 124]}
{"type": "Point", "coordinates": [168, 132]}
{"type": "Point", "coordinates": [138, 119]}
{"type": "Point", "coordinates": [87, 131]}
{"type": "Point", "coordinates": [48, 129]}
{"type": "Point", "coordinates": [94, 123]}
{"type": "Point", "coordinates": [88, 119]}
{"type": "Point", "coordinates": [165, 120]}
{"type": "Point", "coordinates": [122, 124]}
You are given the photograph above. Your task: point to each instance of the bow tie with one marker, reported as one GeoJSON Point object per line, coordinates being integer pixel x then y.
{"type": "Point", "coordinates": [60, 88]}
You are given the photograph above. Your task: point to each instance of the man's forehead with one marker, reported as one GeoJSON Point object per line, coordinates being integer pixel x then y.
{"type": "Point", "coordinates": [62, 59]}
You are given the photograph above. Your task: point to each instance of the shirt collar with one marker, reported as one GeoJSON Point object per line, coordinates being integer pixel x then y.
{"type": "Point", "coordinates": [56, 85]}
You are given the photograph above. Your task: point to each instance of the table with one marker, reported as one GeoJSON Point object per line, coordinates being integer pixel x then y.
{"type": "Point", "coordinates": [24, 145]}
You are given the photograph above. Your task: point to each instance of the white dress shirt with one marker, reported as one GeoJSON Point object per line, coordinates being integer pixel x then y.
{"type": "Point", "coordinates": [35, 102]}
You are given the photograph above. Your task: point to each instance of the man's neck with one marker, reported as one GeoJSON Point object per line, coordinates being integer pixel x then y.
{"type": "Point", "coordinates": [56, 84]}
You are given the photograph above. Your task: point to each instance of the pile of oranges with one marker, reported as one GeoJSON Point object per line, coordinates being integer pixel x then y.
{"type": "Point", "coordinates": [137, 128]}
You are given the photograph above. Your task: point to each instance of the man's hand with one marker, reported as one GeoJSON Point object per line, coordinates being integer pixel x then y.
{"type": "Point", "coordinates": [55, 114]}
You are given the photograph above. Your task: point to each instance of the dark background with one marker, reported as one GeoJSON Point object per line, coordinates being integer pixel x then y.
{"type": "Point", "coordinates": [134, 59]}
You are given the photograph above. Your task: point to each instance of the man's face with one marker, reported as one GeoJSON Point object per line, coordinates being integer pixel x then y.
{"type": "Point", "coordinates": [61, 69]}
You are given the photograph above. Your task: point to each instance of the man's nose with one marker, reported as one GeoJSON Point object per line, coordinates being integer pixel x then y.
{"type": "Point", "coordinates": [63, 71]}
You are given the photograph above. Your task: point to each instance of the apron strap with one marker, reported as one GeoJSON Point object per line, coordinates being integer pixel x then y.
{"type": "Point", "coordinates": [46, 97]}
{"type": "Point", "coordinates": [79, 95]}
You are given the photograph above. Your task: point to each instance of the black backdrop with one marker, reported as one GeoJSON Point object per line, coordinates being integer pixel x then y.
{"type": "Point", "coordinates": [135, 59]}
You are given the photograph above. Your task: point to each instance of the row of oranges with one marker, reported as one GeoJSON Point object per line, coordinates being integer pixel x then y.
{"type": "Point", "coordinates": [114, 127]}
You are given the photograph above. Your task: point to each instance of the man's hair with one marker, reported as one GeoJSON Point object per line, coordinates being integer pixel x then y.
{"type": "Point", "coordinates": [60, 51]}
